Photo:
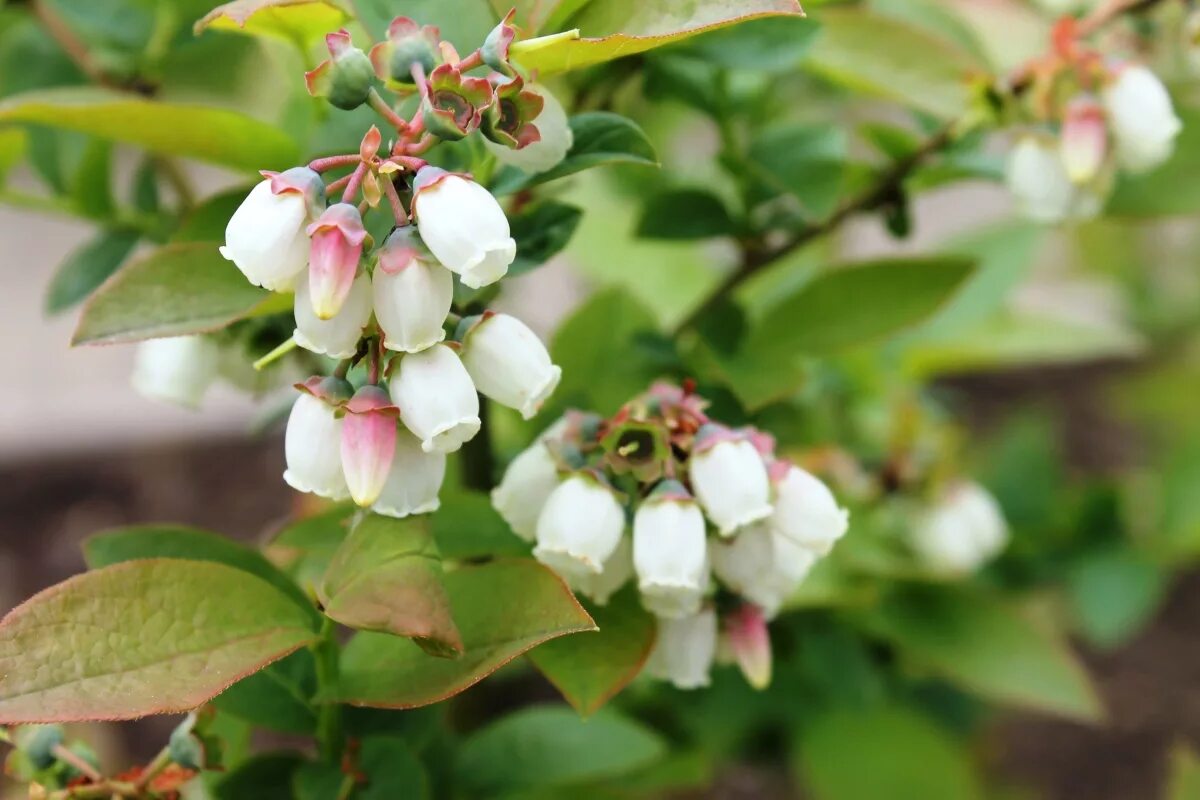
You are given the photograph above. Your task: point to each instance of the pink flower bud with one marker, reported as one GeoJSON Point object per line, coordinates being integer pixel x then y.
{"type": "Point", "coordinates": [337, 242]}
{"type": "Point", "coordinates": [746, 632]}
{"type": "Point", "coordinates": [368, 443]}
{"type": "Point", "coordinates": [1084, 139]}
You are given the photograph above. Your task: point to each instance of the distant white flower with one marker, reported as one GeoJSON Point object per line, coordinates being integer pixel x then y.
{"type": "Point", "coordinates": [1142, 117]}
{"type": "Point", "coordinates": [312, 447]}
{"type": "Point", "coordinates": [684, 650]}
{"type": "Point", "coordinates": [965, 529]}
{"type": "Point", "coordinates": [1084, 140]}
{"type": "Point", "coordinates": [762, 566]}
{"type": "Point", "coordinates": [670, 551]}
{"type": "Point", "coordinates": [805, 510]}
{"type": "Point", "coordinates": [1041, 187]}
{"type": "Point", "coordinates": [414, 480]}
{"type": "Point", "coordinates": [579, 527]}
{"type": "Point", "coordinates": [617, 570]}
{"type": "Point", "coordinates": [463, 225]}
{"type": "Point", "coordinates": [509, 363]}
{"type": "Point", "coordinates": [554, 144]}
{"type": "Point", "coordinates": [176, 370]}
{"type": "Point", "coordinates": [436, 398]}
{"type": "Point", "coordinates": [730, 479]}
{"type": "Point", "coordinates": [265, 237]}
{"type": "Point", "coordinates": [337, 337]}
{"type": "Point", "coordinates": [522, 492]}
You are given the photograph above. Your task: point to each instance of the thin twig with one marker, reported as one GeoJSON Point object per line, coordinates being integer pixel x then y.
{"type": "Point", "coordinates": [67, 757]}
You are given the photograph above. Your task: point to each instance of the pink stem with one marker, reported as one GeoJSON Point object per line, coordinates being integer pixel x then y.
{"type": "Point", "coordinates": [383, 109]}
{"type": "Point", "coordinates": [421, 145]}
{"type": "Point", "coordinates": [398, 211]}
{"type": "Point", "coordinates": [332, 162]}
{"type": "Point", "coordinates": [471, 61]}
{"type": "Point", "coordinates": [356, 179]}
{"type": "Point", "coordinates": [418, 73]}
{"type": "Point", "coordinates": [338, 185]}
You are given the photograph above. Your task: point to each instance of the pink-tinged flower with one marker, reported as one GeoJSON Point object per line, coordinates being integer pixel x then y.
{"type": "Point", "coordinates": [265, 236]}
{"type": "Point", "coordinates": [746, 633]}
{"type": "Point", "coordinates": [453, 103]}
{"type": "Point", "coordinates": [684, 650]}
{"type": "Point", "coordinates": [413, 294]}
{"type": "Point", "coordinates": [1084, 141]}
{"type": "Point", "coordinates": [670, 551]}
{"type": "Point", "coordinates": [555, 137]}
{"type": "Point", "coordinates": [463, 226]}
{"type": "Point", "coordinates": [509, 363]}
{"type": "Point", "coordinates": [508, 121]}
{"type": "Point", "coordinates": [436, 398]}
{"type": "Point", "coordinates": [496, 44]}
{"type": "Point", "coordinates": [312, 443]}
{"type": "Point", "coordinates": [580, 526]}
{"type": "Point", "coordinates": [805, 510]}
{"type": "Point", "coordinates": [345, 77]}
{"type": "Point", "coordinates": [729, 478]}
{"type": "Point", "coordinates": [407, 44]}
{"type": "Point", "coordinates": [368, 443]}
{"type": "Point", "coordinates": [414, 480]}
{"type": "Point", "coordinates": [337, 243]}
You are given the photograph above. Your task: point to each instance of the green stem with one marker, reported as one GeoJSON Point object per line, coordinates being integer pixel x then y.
{"type": "Point", "coordinates": [276, 354]}
{"type": "Point", "coordinates": [160, 762]}
{"type": "Point", "coordinates": [330, 737]}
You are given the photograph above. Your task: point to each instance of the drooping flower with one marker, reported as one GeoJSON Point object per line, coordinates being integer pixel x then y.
{"type": "Point", "coordinates": [345, 77]}
{"type": "Point", "coordinates": [1043, 190]}
{"type": "Point", "coordinates": [762, 566]}
{"type": "Point", "coordinates": [454, 104]}
{"type": "Point", "coordinates": [436, 398]}
{"type": "Point", "coordinates": [407, 44]}
{"type": "Point", "coordinates": [684, 650]}
{"type": "Point", "coordinates": [670, 551]}
{"type": "Point", "coordinates": [337, 242]}
{"type": "Point", "coordinates": [313, 440]}
{"type": "Point", "coordinates": [555, 137]}
{"type": "Point", "coordinates": [412, 294]}
{"type": "Point", "coordinates": [509, 363]}
{"type": "Point", "coordinates": [617, 570]}
{"type": "Point", "coordinates": [729, 478]}
{"type": "Point", "coordinates": [963, 530]}
{"type": "Point", "coordinates": [176, 370]}
{"type": "Point", "coordinates": [1084, 141]}
{"type": "Point", "coordinates": [463, 225]}
{"type": "Point", "coordinates": [579, 527]}
{"type": "Point", "coordinates": [337, 337]}
{"type": "Point", "coordinates": [1143, 120]}
{"type": "Point", "coordinates": [368, 443]}
{"type": "Point", "coordinates": [522, 492]}
{"type": "Point", "coordinates": [265, 237]}
{"type": "Point", "coordinates": [805, 510]}
{"type": "Point", "coordinates": [745, 630]}
{"type": "Point", "coordinates": [413, 481]}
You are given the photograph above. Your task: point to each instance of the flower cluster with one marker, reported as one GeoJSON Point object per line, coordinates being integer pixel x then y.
{"type": "Point", "coordinates": [380, 435]}
{"type": "Point", "coordinates": [1090, 117]}
{"type": "Point", "coordinates": [716, 530]}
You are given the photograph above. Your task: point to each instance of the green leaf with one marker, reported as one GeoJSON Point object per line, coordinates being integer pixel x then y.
{"type": "Point", "coordinates": [609, 322]}
{"type": "Point", "coordinates": [600, 137]}
{"type": "Point", "coordinates": [986, 647]}
{"type": "Point", "coordinates": [143, 637]}
{"type": "Point", "coordinates": [14, 142]}
{"type": "Point", "coordinates": [92, 189]}
{"type": "Point", "coordinates": [1183, 774]}
{"type": "Point", "coordinates": [468, 527]}
{"type": "Point", "coordinates": [258, 777]}
{"type": "Point", "coordinates": [625, 29]}
{"type": "Point", "coordinates": [298, 21]}
{"type": "Point", "coordinates": [87, 267]}
{"type": "Point", "coordinates": [917, 68]}
{"type": "Point", "coordinates": [391, 769]}
{"type": "Point", "coordinates": [502, 609]}
{"type": "Point", "coordinates": [176, 541]}
{"type": "Point", "coordinates": [304, 548]}
{"type": "Point", "coordinates": [144, 188]}
{"type": "Point", "coordinates": [317, 780]}
{"type": "Point", "coordinates": [850, 306]}
{"type": "Point", "coordinates": [1169, 190]}
{"type": "Point", "coordinates": [387, 576]}
{"type": "Point", "coordinates": [591, 669]}
{"type": "Point", "coordinates": [807, 161]}
{"type": "Point", "coordinates": [1113, 592]}
{"type": "Point", "coordinates": [551, 747]}
{"type": "Point", "coordinates": [685, 214]}
{"type": "Point", "coordinates": [277, 698]}
{"type": "Point", "coordinates": [176, 290]}
{"type": "Point", "coordinates": [771, 44]}
{"type": "Point", "coordinates": [895, 753]}
{"type": "Point", "coordinates": [541, 232]}
{"type": "Point", "coordinates": [208, 220]}
{"type": "Point", "coordinates": [216, 135]}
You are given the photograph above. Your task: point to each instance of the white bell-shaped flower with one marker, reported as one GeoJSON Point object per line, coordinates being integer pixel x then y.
{"type": "Point", "coordinates": [176, 370]}
{"type": "Point", "coordinates": [436, 398]}
{"type": "Point", "coordinates": [522, 492]}
{"type": "Point", "coordinates": [1041, 187]}
{"type": "Point", "coordinates": [730, 479]}
{"type": "Point", "coordinates": [337, 337]}
{"type": "Point", "coordinates": [1142, 118]}
{"type": "Point", "coordinates": [313, 449]}
{"type": "Point", "coordinates": [962, 531]}
{"type": "Point", "coordinates": [265, 237]}
{"type": "Point", "coordinates": [670, 551]}
{"type": "Point", "coordinates": [579, 527]}
{"type": "Point", "coordinates": [762, 566]}
{"type": "Point", "coordinates": [509, 363]}
{"type": "Point", "coordinates": [414, 480]}
{"type": "Point", "coordinates": [805, 510]}
{"type": "Point", "coordinates": [617, 570]}
{"type": "Point", "coordinates": [684, 650]}
{"type": "Point", "coordinates": [555, 137]}
{"type": "Point", "coordinates": [411, 305]}
{"type": "Point", "coordinates": [463, 225]}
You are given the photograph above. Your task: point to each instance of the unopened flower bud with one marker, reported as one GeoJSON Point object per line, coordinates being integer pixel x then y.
{"type": "Point", "coordinates": [729, 479]}
{"type": "Point", "coordinates": [345, 77]}
{"type": "Point", "coordinates": [337, 337]}
{"type": "Point", "coordinates": [805, 510]}
{"type": "Point", "coordinates": [436, 398]}
{"type": "Point", "coordinates": [509, 363]}
{"type": "Point", "coordinates": [368, 443]}
{"type": "Point", "coordinates": [413, 481]}
{"type": "Point", "coordinates": [1043, 191]}
{"type": "Point", "coordinates": [176, 370]}
{"type": "Point", "coordinates": [313, 447]}
{"type": "Point", "coordinates": [670, 551]}
{"type": "Point", "coordinates": [337, 242]}
{"type": "Point", "coordinates": [463, 226]}
{"type": "Point", "coordinates": [745, 630]}
{"type": "Point", "coordinates": [761, 566]}
{"type": "Point", "coordinates": [1084, 139]}
{"type": "Point", "coordinates": [960, 533]}
{"type": "Point", "coordinates": [555, 137]}
{"type": "Point", "coordinates": [579, 527]}
{"type": "Point", "coordinates": [1143, 119]}
{"type": "Point", "coordinates": [684, 650]}
{"type": "Point", "coordinates": [522, 492]}
{"type": "Point", "coordinates": [412, 294]}
{"type": "Point", "coordinates": [496, 44]}
{"type": "Point", "coordinates": [407, 44]}
{"type": "Point", "coordinates": [617, 570]}
{"type": "Point", "coordinates": [265, 236]}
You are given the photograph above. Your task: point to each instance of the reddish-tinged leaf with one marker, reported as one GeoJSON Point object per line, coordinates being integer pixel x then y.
{"type": "Point", "coordinates": [299, 21]}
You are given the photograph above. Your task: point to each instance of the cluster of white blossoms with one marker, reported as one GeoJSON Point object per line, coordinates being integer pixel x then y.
{"type": "Point", "coordinates": [1064, 172]}
{"type": "Point", "coordinates": [961, 531]}
{"type": "Point", "coordinates": [716, 531]}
